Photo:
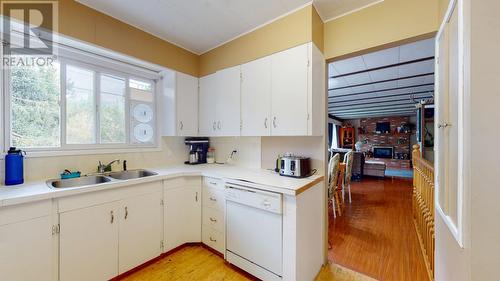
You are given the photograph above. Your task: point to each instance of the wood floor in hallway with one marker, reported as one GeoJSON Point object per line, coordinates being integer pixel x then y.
{"type": "Point", "coordinates": [376, 235]}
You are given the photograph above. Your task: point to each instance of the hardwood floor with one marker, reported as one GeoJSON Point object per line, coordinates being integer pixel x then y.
{"type": "Point", "coordinates": [197, 263]}
{"type": "Point", "coordinates": [375, 234]}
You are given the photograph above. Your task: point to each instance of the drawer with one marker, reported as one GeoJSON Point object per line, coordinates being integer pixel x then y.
{"type": "Point", "coordinates": [213, 238]}
{"type": "Point", "coordinates": [23, 212]}
{"type": "Point", "coordinates": [182, 181]}
{"type": "Point", "coordinates": [213, 182]}
{"type": "Point", "coordinates": [213, 198]}
{"type": "Point", "coordinates": [214, 219]}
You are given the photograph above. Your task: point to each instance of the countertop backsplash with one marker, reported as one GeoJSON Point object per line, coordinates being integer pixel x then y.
{"type": "Point", "coordinates": [173, 152]}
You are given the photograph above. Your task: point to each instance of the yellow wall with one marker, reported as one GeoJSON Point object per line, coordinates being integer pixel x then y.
{"type": "Point", "coordinates": [443, 6]}
{"type": "Point", "coordinates": [380, 24]}
{"type": "Point", "coordinates": [86, 24]}
{"type": "Point", "coordinates": [282, 34]}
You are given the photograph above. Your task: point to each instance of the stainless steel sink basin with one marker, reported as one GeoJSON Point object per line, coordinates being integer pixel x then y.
{"type": "Point", "coordinates": [77, 182]}
{"type": "Point", "coordinates": [131, 174]}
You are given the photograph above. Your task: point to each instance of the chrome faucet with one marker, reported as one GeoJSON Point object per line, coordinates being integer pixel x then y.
{"type": "Point", "coordinates": [101, 168]}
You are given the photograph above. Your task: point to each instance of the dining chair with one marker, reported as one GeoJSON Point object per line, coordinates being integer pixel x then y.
{"type": "Point", "coordinates": [333, 184]}
{"type": "Point", "coordinates": [348, 159]}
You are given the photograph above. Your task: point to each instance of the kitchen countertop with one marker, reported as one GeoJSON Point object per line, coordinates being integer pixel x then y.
{"type": "Point", "coordinates": [269, 180]}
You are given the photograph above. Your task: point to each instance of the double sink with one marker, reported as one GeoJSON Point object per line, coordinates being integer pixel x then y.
{"type": "Point", "coordinates": [99, 178]}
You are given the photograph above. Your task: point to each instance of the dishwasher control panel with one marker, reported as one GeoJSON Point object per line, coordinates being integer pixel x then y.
{"type": "Point", "coordinates": [268, 201]}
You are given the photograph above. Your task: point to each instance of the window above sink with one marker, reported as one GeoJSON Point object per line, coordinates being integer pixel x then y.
{"type": "Point", "coordinates": [89, 100]}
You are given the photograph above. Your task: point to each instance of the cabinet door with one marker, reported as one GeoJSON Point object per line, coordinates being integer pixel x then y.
{"type": "Point", "coordinates": [140, 230]}
{"type": "Point", "coordinates": [207, 105]}
{"type": "Point", "coordinates": [26, 251]}
{"type": "Point", "coordinates": [290, 92]}
{"type": "Point", "coordinates": [182, 216]}
{"type": "Point", "coordinates": [89, 243]}
{"type": "Point", "coordinates": [187, 105]}
{"type": "Point", "coordinates": [228, 101]}
{"type": "Point", "coordinates": [256, 98]}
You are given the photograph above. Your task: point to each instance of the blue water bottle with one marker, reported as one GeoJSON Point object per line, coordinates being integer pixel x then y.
{"type": "Point", "coordinates": [14, 171]}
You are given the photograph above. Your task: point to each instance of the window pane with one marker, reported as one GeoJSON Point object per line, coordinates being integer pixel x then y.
{"type": "Point", "coordinates": [141, 90]}
{"type": "Point", "coordinates": [80, 106]}
{"type": "Point", "coordinates": [112, 109]}
{"type": "Point", "coordinates": [35, 96]}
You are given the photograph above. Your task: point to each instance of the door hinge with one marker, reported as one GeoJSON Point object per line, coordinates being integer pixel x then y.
{"type": "Point", "coordinates": [162, 245]}
{"type": "Point", "coordinates": [241, 125]}
{"type": "Point", "coordinates": [56, 229]}
{"type": "Point", "coordinates": [308, 116]}
{"type": "Point", "coordinates": [162, 203]}
{"type": "Point", "coordinates": [308, 63]}
{"type": "Point", "coordinates": [241, 77]}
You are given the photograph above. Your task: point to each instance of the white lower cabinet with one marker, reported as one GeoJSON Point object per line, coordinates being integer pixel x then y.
{"type": "Point", "coordinates": [89, 243]}
{"type": "Point", "coordinates": [140, 230]}
{"type": "Point", "coordinates": [213, 227]}
{"type": "Point", "coordinates": [182, 211]}
{"type": "Point", "coordinates": [26, 243]}
{"type": "Point", "coordinates": [120, 231]}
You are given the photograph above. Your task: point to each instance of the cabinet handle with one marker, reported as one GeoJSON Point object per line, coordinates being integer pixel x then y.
{"type": "Point", "coordinates": [219, 125]}
{"type": "Point", "coordinates": [196, 197]}
{"type": "Point", "coordinates": [213, 240]}
{"type": "Point", "coordinates": [181, 125]}
{"type": "Point", "coordinates": [444, 125]}
{"type": "Point", "coordinates": [213, 220]}
{"type": "Point", "coordinates": [215, 124]}
{"type": "Point", "coordinates": [265, 123]}
{"type": "Point", "coordinates": [126, 212]}
{"type": "Point", "coordinates": [112, 216]}
{"type": "Point", "coordinates": [274, 122]}
{"type": "Point", "coordinates": [213, 199]}
{"type": "Point", "coordinates": [214, 183]}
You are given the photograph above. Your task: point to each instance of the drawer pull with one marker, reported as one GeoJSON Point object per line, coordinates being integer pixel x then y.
{"type": "Point", "coordinates": [212, 239]}
{"type": "Point", "coordinates": [212, 183]}
{"type": "Point", "coordinates": [213, 220]}
{"type": "Point", "coordinates": [213, 199]}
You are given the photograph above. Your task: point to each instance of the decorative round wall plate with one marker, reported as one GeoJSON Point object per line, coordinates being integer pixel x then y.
{"type": "Point", "coordinates": [143, 132]}
{"type": "Point", "coordinates": [143, 113]}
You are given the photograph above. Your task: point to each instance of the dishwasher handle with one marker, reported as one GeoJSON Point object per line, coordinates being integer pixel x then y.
{"type": "Point", "coordinates": [260, 199]}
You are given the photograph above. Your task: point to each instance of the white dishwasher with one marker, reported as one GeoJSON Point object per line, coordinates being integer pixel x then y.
{"type": "Point", "coordinates": [254, 230]}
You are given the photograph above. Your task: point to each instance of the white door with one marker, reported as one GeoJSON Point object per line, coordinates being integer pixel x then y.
{"type": "Point", "coordinates": [89, 243]}
{"type": "Point", "coordinates": [207, 105]}
{"type": "Point", "coordinates": [182, 216]}
{"type": "Point", "coordinates": [140, 230]}
{"type": "Point", "coordinates": [256, 98]}
{"type": "Point", "coordinates": [228, 101]}
{"type": "Point", "coordinates": [26, 251]}
{"type": "Point", "coordinates": [289, 92]}
{"type": "Point", "coordinates": [187, 105]}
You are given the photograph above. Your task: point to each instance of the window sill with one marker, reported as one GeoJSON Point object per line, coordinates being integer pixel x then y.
{"type": "Point", "coordinates": [97, 151]}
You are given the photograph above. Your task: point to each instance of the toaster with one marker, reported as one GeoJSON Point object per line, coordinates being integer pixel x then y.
{"type": "Point", "coordinates": [295, 166]}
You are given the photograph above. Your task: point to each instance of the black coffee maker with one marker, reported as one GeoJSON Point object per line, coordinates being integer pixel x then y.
{"type": "Point", "coordinates": [198, 148]}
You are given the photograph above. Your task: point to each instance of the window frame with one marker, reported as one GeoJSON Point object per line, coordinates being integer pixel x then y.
{"type": "Point", "coordinates": [80, 149]}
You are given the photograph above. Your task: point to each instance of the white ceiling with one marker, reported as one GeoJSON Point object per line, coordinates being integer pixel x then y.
{"type": "Point", "coordinates": [196, 25]}
{"type": "Point", "coordinates": [357, 91]}
{"type": "Point", "coordinates": [201, 25]}
{"type": "Point", "coordinates": [331, 9]}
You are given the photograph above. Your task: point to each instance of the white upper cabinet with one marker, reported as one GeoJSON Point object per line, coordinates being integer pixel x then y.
{"type": "Point", "coordinates": [187, 105]}
{"type": "Point", "coordinates": [281, 95]}
{"type": "Point", "coordinates": [256, 98]}
{"type": "Point", "coordinates": [289, 92]}
{"type": "Point", "coordinates": [228, 87]}
{"type": "Point", "coordinates": [207, 106]}
{"type": "Point", "coordinates": [179, 105]}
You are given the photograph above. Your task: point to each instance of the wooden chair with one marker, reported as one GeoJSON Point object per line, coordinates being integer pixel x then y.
{"type": "Point", "coordinates": [348, 159]}
{"type": "Point", "coordinates": [335, 184]}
